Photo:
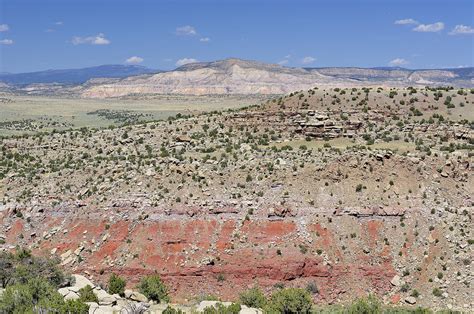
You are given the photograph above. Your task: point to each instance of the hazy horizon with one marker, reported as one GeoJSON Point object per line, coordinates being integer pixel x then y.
{"type": "Point", "coordinates": [209, 61]}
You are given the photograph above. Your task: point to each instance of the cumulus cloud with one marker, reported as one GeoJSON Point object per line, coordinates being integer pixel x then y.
{"type": "Point", "coordinates": [186, 30]}
{"type": "Point", "coordinates": [429, 28]}
{"type": "Point", "coordinates": [406, 22]}
{"type": "Point", "coordinates": [184, 61]}
{"type": "Point", "coordinates": [205, 39]}
{"type": "Point", "coordinates": [4, 27]}
{"type": "Point", "coordinates": [308, 60]}
{"type": "Point", "coordinates": [398, 62]}
{"type": "Point", "coordinates": [6, 42]}
{"type": "Point", "coordinates": [134, 60]}
{"type": "Point", "coordinates": [98, 39]}
{"type": "Point", "coordinates": [462, 30]}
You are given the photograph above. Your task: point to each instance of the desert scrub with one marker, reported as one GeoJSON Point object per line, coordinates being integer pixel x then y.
{"type": "Point", "coordinates": [154, 289]}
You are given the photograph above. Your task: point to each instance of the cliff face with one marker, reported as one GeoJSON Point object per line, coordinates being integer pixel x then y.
{"type": "Point", "coordinates": [193, 254]}
{"type": "Point", "coordinates": [234, 76]}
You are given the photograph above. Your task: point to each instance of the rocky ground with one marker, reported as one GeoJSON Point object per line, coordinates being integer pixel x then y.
{"type": "Point", "coordinates": [133, 301]}
{"type": "Point", "coordinates": [353, 191]}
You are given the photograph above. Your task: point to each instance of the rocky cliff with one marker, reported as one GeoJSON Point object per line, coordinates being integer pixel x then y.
{"type": "Point", "coordinates": [235, 76]}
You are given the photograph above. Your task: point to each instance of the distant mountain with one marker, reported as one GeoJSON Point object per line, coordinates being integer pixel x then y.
{"type": "Point", "coordinates": [229, 76]}
{"type": "Point", "coordinates": [74, 76]}
{"type": "Point", "coordinates": [235, 76]}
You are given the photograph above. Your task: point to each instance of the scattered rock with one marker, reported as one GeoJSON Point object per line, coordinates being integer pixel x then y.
{"type": "Point", "coordinates": [410, 300]}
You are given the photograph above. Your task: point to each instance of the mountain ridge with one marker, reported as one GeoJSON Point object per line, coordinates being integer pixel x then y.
{"type": "Point", "coordinates": [236, 76]}
{"type": "Point", "coordinates": [228, 76]}
{"type": "Point", "coordinates": [74, 76]}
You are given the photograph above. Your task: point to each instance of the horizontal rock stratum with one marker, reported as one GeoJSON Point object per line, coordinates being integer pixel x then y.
{"type": "Point", "coordinates": [235, 76]}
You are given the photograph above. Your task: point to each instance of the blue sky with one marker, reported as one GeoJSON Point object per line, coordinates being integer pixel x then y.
{"type": "Point", "coordinates": [53, 34]}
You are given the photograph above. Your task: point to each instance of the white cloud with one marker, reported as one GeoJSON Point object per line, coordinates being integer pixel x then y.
{"type": "Point", "coordinates": [59, 23]}
{"type": "Point", "coordinates": [430, 28]}
{"type": "Point", "coordinates": [184, 61]}
{"type": "Point", "coordinates": [186, 30]}
{"type": "Point", "coordinates": [406, 22]}
{"type": "Point", "coordinates": [308, 60]}
{"type": "Point", "coordinates": [4, 27]}
{"type": "Point", "coordinates": [398, 62]}
{"type": "Point", "coordinates": [205, 39]}
{"type": "Point", "coordinates": [134, 60]}
{"type": "Point", "coordinates": [462, 30]}
{"type": "Point", "coordinates": [6, 42]}
{"type": "Point", "coordinates": [285, 60]}
{"type": "Point", "coordinates": [98, 39]}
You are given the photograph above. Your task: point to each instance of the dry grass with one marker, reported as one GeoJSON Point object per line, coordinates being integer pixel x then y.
{"type": "Point", "coordinates": [74, 111]}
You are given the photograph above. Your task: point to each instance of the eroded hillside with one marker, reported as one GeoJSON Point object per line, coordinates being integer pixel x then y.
{"type": "Point", "coordinates": [353, 190]}
{"type": "Point", "coordinates": [235, 76]}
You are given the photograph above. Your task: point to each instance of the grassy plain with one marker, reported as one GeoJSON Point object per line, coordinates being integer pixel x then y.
{"type": "Point", "coordinates": [43, 113]}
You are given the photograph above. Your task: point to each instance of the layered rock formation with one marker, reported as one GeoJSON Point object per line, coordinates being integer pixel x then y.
{"type": "Point", "coordinates": [350, 191]}
{"type": "Point", "coordinates": [235, 76]}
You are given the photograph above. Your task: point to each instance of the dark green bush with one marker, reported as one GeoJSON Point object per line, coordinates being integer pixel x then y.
{"type": "Point", "coordinates": [253, 298]}
{"type": "Point", "coordinates": [38, 296]}
{"type": "Point", "coordinates": [154, 289]}
{"type": "Point", "coordinates": [87, 294]}
{"type": "Point", "coordinates": [220, 308]}
{"type": "Point", "coordinates": [369, 305]}
{"type": "Point", "coordinates": [170, 310]}
{"type": "Point", "coordinates": [289, 301]}
{"type": "Point", "coordinates": [21, 267]}
{"type": "Point", "coordinates": [116, 285]}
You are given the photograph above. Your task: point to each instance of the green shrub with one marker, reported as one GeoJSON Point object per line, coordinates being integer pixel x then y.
{"type": "Point", "coordinates": [116, 285]}
{"type": "Point", "coordinates": [38, 296]}
{"type": "Point", "coordinates": [87, 294]}
{"type": "Point", "coordinates": [170, 310]}
{"type": "Point", "coordinates": [219, 308]}
{"type": "Point", "coordinates": [369, 305]}
{"type": "Point", "coordinates": [437, 292]}
{"type": "Point", "coordinates": [312, 288]}
{"type": "Point", "coordinates": [289, 301]}
{"type": "Point", "coordinates": [154, 289]}
{"type": "Point", "coordinates": [253, 298]}
{"type": "Point", "coordinates": [20, 267]}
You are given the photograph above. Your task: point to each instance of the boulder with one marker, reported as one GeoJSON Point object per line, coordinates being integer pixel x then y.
{"type": "Point", "coordinates": [68, 294]}
{"type": "Point", "coordinates": [81, 281]}
{"type": "Point", "coordinates": [128, 306]}
{"type": "Point", "coordinates": [64, 291]}
{"type": "Point", "coordinates": [249, 310]}
{"type": "Point", "coordinates": [396, 281]}
{"type": "Point", "coordinates": [71, 296]}
{"type": "Point", "coordinates": [92, 306]}
{"type": "Point", "coordinates": [135, 296]}
{"type": "Point", "coordinates": [104, 309]}
{"type": "Point", "coordinates": [410, 300]}
{"type": "Point", "coordinates": [104, 297]}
